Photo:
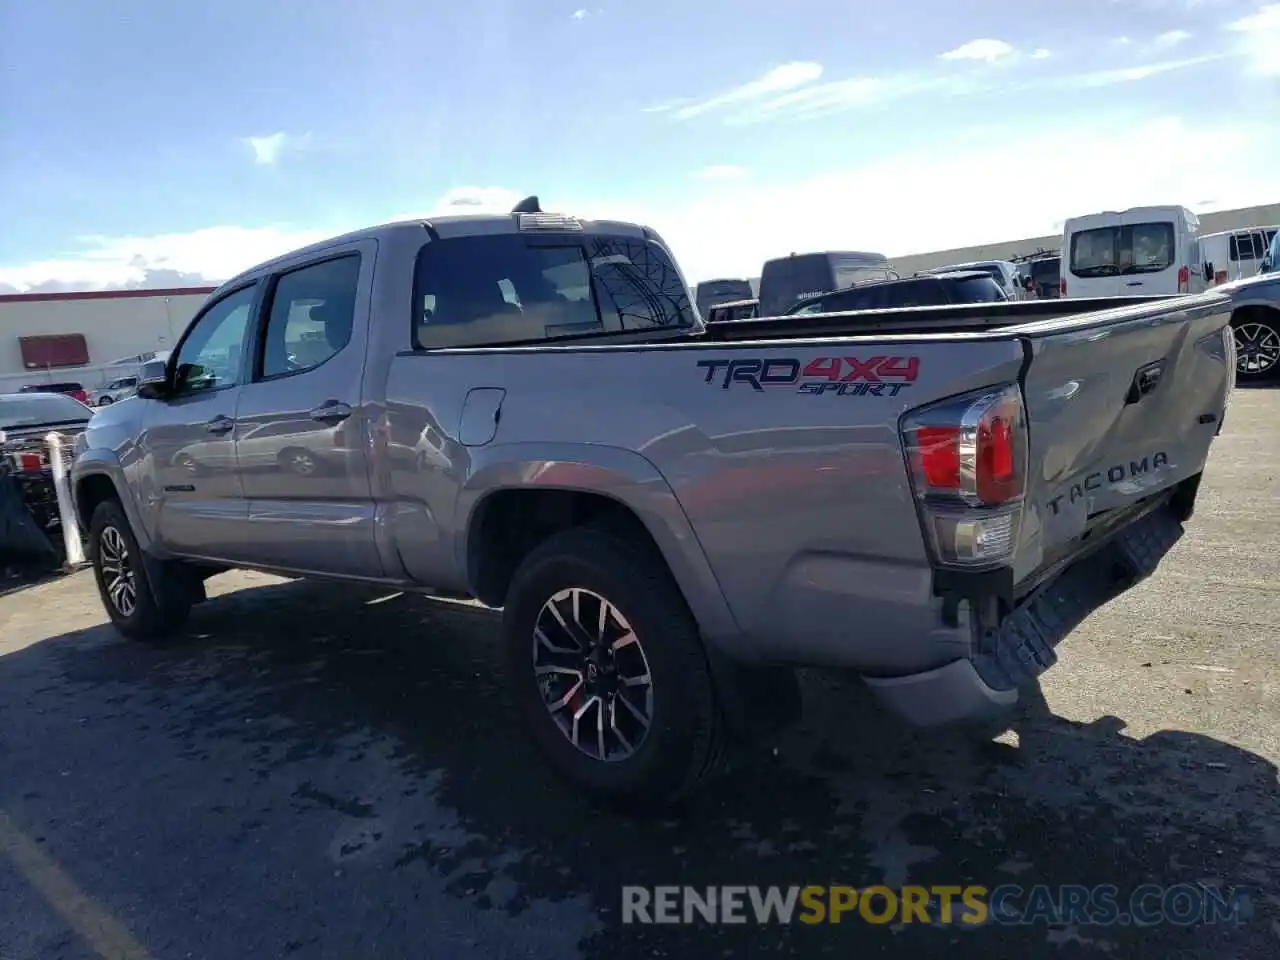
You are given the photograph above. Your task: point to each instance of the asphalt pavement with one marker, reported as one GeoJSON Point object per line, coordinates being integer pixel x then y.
{"type": "Point", "coordinates": [328, 772]}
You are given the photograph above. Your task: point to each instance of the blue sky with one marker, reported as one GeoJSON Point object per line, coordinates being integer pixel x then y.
{"type": "Point", "coordinates": [142, 140]}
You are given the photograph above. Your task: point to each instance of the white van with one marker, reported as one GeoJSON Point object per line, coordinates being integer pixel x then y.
{"type": "Point", "coordinates": [1129, 253]}
{"type": "Point", "coordinates": [1234, 254]}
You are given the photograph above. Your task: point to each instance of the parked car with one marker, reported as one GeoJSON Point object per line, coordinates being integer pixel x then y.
{"type": "Point", "coordinates": [1045, 276]}
{"type": "Point", "coordinates": [68, 388]}
{"type": "Point", "coordinates": [1003, 272]}
{"type": "Point", "coordinates": [1234, 254]}
{"type": "Point", "coordinates": [1255, 318]}
{"type": "Point", "coordinates": [26, 418]}
{"type": "Point", "coordinates": [710, 293]}
{"type": "Point", "coordinates": [734, 310]}
{"type": "Point", "coordinates": [1144, 251]}
{"type": "Point", "coordinates": [786, 281]}
{"type": "Point", "coordinates": [923, 290]}
{"type": "Point", "coordinates": [671, 516]}
{"type": "Point", "coordinates": [120, 388]}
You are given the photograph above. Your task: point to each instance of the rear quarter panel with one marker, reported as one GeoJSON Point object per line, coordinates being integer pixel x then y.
{"type": "Point", "coordinates": [794, 485]}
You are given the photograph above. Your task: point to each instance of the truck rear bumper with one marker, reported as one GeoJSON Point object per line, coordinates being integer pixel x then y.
{"type": "Point", "coordinates": [1023, 648]}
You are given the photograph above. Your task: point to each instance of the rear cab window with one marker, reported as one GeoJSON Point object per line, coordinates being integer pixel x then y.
{"type": "Point", "coordinates": [977, 289]}
{"type": "Point", "coordinates": [494, 289]}
{"type": "Point", "coordinates": [1122, 250]}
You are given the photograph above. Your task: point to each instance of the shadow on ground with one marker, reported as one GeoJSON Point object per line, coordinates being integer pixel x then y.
{"type": "Point", "coordinates": [304, 742]}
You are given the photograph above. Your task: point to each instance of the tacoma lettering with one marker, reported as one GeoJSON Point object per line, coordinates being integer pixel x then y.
{"type": "Point", "coordinates": [1112, 475]}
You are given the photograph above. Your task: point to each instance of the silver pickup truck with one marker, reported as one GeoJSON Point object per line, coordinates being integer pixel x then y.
{"type": "Point", "coordinates": [527, 410]}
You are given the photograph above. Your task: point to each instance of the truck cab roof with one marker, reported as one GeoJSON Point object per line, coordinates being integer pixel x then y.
{"type": "Point", "coordinates": [448, 227]}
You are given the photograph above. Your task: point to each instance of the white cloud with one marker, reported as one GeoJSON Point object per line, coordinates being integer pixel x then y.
{"type": "Point", "coordinates": [986, 50]}
{"type": "Point", "coordinates": [900, 203]}
{"type": "Point", "coordinates": [1258, 39]}
{"type": "Point", "coordinates": [882, 205]}
{"type": "Point", "coordinates": [209, 254]}
{"type": "Point", "coordinates": [720, 173]}
{"type": "Point", "coordinates": [1143, 71]}
{"type": "Point", "coordinates": [268, 150]}
{"type": "Point", "coordinates": [578, 14]}
{"type": "Point", "coordinates": [778, 79]}
{"type": "Point", "coordinates": [212, 254]}
{"type": "Point", "coordinates": [1170, 38]}
{"type": "Point", "coordinates": [1041, 54]}
{"type": "Point", "coordinates": [667, 105]}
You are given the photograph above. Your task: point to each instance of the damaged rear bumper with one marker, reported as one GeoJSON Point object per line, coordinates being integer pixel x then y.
{"type": "Point", "coordinates": [1015, 655]}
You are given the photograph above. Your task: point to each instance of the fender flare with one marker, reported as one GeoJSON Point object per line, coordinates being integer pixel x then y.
{"type": "Point", "coordinates": [621, 475]}
{"type": "Point", "coordinates": [104, 463]}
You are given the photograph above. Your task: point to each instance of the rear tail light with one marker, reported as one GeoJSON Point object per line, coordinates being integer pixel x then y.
{"type": "Point", "coordinates": [1062, 287]}
{"type": "Point", "coordinates": [31, 461]}
{"type": "Point", "coordinates": [1184, 279]}
{"type": "Point", "coordinates": [968, 461]}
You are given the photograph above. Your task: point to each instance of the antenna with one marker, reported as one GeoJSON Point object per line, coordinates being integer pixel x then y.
{"type": "Point", "coordinates": [528, 205]}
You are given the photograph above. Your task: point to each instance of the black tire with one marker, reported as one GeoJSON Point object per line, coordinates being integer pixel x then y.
{"type": "Point", "coordinates": [1257, 333]}
{"type": "Point", "coordinates": [161, 597]}
{"type": "Point", "coordinates": [684, 745]}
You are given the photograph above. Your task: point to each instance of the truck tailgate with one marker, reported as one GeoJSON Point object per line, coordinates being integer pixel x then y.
{"type": "Point", "coordinates": [1120, 406]}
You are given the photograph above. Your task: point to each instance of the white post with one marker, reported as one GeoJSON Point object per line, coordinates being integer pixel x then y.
{"type": "Point", "coordinates": [66, 509]}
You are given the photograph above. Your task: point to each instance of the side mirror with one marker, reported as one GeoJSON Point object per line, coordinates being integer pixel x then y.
{"type": "Point", "coordinates": [1208, 271]}
{"type": "Point", "coordinates": [1265, 266]}
{"type": "Point", "coordinates": [153, 380]}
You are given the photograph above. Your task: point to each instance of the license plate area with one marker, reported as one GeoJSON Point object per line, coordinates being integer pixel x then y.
{"type": "Point", "coordinates": [1024, 645]}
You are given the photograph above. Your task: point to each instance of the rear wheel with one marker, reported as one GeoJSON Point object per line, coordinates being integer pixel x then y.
{"type": "Point", "coordinates": [1257, 336]}
{"type": "Point", "coordinates": [144, 601]}
{"type": "Point", "coordinates": [608, 670]}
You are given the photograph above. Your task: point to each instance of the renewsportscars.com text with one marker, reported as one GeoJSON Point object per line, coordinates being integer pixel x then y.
{"type": "Point", "coordinates": [1009, 904]}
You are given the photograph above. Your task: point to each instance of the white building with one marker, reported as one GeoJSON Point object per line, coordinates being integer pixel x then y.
{"type": "Point", "coordinates": [48, 337]}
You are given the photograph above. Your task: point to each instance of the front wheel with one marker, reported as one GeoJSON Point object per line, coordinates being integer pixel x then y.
{"type": "Point", "coordinates": [608, 670]}
{"type": "Point", "coordinates": [141, 607]}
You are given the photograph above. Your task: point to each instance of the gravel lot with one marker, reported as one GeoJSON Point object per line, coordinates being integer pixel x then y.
{"type": "Point", "coordinates": [320, 772]}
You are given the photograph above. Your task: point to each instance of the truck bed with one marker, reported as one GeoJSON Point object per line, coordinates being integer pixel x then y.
{"type": "Point", "coordinates": [954, 318]}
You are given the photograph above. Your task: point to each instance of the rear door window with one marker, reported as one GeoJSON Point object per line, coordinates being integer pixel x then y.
{"type": "Point", "coordinates": [914, 293]}
{"type": "Point", "coordinates": [507, 288]}
{"type": "Point", "coordinates": [976, 290]}
{"type": "Point", "coordinates": [1122, 250]}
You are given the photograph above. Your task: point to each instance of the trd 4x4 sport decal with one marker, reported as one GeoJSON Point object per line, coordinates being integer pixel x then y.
{"type": "Point", "coordinates": [843, 376]}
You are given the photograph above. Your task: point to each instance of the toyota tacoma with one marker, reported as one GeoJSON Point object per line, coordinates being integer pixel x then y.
{"type": "Point", "coordinates": [527, 410]}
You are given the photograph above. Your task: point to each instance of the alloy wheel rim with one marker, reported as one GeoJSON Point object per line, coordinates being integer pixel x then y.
{"type": "Point", "coordinates": [1257, 348]}
{"type": "Point", "coordinates": [592, 674]}
{"type": "Point", "coordinates": [117, 571]}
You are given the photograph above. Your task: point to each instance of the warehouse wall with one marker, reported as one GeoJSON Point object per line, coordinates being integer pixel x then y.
{"type": "Point", "coordinates": [115, 324]}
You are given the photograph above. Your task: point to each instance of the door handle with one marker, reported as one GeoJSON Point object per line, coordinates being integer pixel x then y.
{"type": "Point", "coordinates": [331, 411]}
{"type": "Point", "coordinates": [220, 425]}
{"type": "Point", "coordinates": [1133, 283]}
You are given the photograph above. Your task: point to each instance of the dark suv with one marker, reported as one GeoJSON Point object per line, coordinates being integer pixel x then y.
{"type": "Point", "coordinates": [924, 290]}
